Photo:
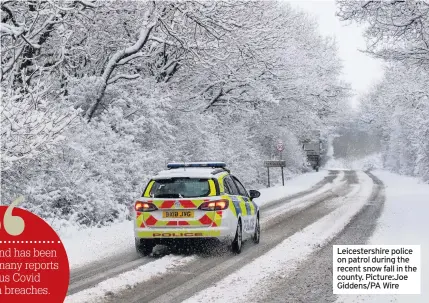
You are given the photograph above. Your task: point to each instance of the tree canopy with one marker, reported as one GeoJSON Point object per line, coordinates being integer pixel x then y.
{"type": "Point", "coordinates": [98, 95]}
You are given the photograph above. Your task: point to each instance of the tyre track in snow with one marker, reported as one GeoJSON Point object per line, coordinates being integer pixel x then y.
{"type": "Point", "coordinates": [90, 275]}
{"type": "Point", "coordinates": [175, 286]}
{"type": "Point", "coordinates": [312, 280]}
{"type": "Point", "coordinates": [97, 272]}
{"type": "Point", "coordinates": [278, 202]}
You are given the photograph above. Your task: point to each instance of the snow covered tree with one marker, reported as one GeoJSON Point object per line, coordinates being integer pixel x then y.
{"type": "Point", "coordinates": [398, 32]}
{"type": "Point", "coordinates": [162, 81]}
{"type": "Point", "coordinates": [34, 36]}
{"type": "Point", "coordinates": [395, 30]}
{"type": "Point", "coordinates": [188, 27]}
{"type": "Point", "coordinates": [399, 107]}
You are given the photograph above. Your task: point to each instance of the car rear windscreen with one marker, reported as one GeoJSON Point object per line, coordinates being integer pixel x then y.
{"type": "Point", "coordinates": [180, 188]}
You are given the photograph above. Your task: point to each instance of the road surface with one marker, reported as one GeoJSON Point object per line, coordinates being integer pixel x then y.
{"type": "Point", "coordinates": [280, 220]}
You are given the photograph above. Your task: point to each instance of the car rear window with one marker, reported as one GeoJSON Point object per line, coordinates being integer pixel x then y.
{"type": "Point", "coordinates": [180, 188]}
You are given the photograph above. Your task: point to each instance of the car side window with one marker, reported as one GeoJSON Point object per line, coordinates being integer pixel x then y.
{"type": "Point", "coordinates": [226, 186]}
{"type": "Point", "coordinates": [242, 191]}
{"type": "Point", "coordinates": [230, 187]}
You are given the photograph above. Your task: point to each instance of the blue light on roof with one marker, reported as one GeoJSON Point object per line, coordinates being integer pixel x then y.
{"type": "Point", "coordinates": [197, 164]}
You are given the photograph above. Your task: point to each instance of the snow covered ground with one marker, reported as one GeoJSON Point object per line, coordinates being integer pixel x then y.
{"type": "Point", "coordinates": [373, 161]}
{"type": "Point", "coordinates": [88, 245]}
{"type": "Point", "coordinates": [129, 278]}
{"type": "Point", "coordinates": [404, 221]}
{"type": "Point", "coordinates": [283, 259]}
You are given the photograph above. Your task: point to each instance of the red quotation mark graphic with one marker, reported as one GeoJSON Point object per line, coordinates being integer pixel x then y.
{"type": "Point", "coordinates": [33, 262]}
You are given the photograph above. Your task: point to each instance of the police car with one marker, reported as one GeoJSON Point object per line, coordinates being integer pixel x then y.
{"type": "Point", "coordinates": [199, 200]}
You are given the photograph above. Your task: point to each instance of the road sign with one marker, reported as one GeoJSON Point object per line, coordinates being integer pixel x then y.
{"type": "Point", "coordinates": [280, 146]}
{"type": "Point", "coordinates": [275, 163]}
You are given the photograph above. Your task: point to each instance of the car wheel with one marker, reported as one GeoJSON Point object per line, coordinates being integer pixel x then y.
{"type": "Point", "coordinates": [238, 240]}
{"type": "Point", "coordinates": [144, 247]}
{"type": "Point", "coordinates": [257, 235]}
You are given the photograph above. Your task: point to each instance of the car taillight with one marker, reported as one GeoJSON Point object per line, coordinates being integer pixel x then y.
{"type": "Point", "coordinates": [145, 206]}
{"type": "Point", "coordinates": [215, 205]}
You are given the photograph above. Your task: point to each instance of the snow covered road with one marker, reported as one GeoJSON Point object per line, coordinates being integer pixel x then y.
{"type": "Point", "coordinates": [90, 266]}
{"type": "Point", "coordinates": [311, 281]}
{"type": "Point", "coordinates": [294, 229]}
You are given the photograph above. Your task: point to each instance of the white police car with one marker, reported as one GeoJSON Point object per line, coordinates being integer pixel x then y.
{"type": "Point", "coordinates": [199, 200]}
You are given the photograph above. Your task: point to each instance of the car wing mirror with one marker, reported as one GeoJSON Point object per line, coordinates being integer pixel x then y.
{"type": "Point", "coordinates": [254, 194]}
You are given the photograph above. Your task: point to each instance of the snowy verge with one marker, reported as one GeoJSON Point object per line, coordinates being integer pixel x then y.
{"type": "Point", "coordinates": [92, 244]}
{"type": "Point", "coordinates": [86, 246]}
{"type": "Point", "coordinates": [285, 257]}
{"type": "Point", "coordinates": [404, 221]}
{"type": "Point", "coordinates": [129, 279]}
{"type": "Point", "coordinates": [291, 187]}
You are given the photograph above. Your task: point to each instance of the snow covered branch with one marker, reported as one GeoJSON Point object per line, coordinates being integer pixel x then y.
{"type": "Point", "coordinates": [391, 35]}
{"type": "Point", "coordinates": [7, 29]}
{"type": "Point", "coordinates": [90, 4]}
{"type": "Point", "coordinates": [27, 130]}
{"type": "Point", "coordinates": [122, 76]}
{"type": "Point", "coordinates": [129, 58]}
{"type": "Point", "coordinates": [123, 54]}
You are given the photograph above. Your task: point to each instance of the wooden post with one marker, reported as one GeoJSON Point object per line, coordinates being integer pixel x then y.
{"type": "Point", "coordinates": [283, 177]}
{"type": "Point", "coordinates": [268, 168]}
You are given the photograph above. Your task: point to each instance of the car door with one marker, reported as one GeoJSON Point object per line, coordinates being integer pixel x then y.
{"type": "Point", "coordinates": [249, 219]}
{"type": "Point", "coordinates": [239, 204]}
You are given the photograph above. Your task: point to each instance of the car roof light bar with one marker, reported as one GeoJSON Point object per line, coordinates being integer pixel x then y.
{"type": "Point", "coordinates": [196, 164]}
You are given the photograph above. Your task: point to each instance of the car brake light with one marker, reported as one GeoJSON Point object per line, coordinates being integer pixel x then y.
{"type": "Point", "coordinates": [145, 206]}
{"type": "Point", "coordinates": [214, 205]}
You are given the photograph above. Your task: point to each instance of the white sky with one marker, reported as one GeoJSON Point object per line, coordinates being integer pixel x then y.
{"type": "Point", "coordinates": [360, 70]}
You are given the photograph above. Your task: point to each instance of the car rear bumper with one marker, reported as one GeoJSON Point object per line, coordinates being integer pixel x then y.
{"type": "Point", "coordinates": [220, 233]}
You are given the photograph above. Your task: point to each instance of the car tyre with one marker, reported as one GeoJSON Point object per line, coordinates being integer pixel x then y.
{"type": "Point", "coordinates": [257, 236]}
{"type": "Point", "coordinates": [144, 247]}
{"type": "Point", "coordinates": [238, 240]}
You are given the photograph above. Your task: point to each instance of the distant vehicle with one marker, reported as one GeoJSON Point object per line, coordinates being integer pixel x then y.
{"type": "Point", "coordinates": [312, 148]}
{"type": "Point", "coordinates": [195, 201]}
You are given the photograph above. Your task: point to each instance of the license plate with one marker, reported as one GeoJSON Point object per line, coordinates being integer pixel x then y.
{"type": "Point", "coordinates": [178, 214]}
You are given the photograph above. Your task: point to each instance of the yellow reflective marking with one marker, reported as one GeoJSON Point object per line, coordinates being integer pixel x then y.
{"type": "Point", "coordinates": [158, 203]}
{"type": "Point", "coordinates": [194, 223]}
{"type": "Point", "coordinates": [231, 205]}
{"type": "Point", "coordinates": [161, 223]}
{"type": "Point", "coordinates": [242, 206]}
{"type": "Point", "coordinates": [139, 220]}
{"type": "Point", "coordinates": [178, 233]}
{"type": "Point", "coordinates": [212, 188]}
{"type": "Point", "coordinates": [221, 187]}
{"type": "Point", "coordinates": [149, 187]}
{"type": "Point", "coordinates": [218, 219]}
